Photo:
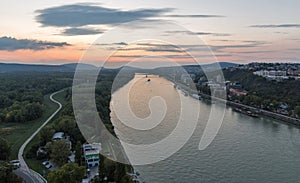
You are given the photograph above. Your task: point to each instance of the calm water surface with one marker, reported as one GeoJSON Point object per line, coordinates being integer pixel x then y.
{"type": "Point", "coordinates": [246, 149]}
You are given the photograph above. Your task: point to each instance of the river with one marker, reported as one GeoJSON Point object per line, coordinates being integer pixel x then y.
{"type": "Point", "coordinates": [246, 149]}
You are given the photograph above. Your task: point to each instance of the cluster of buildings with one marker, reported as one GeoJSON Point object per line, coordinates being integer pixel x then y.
{"type": "Point", "coordinates": [269, 66]}
{"type": "Point", "coordinates": [273, 71]}
{"type": "Point", "coordinates": [90, 151]}
{"type": "Point", "coordinates": [272, 74]}
{"type": "Point", "coordinates": [235, 88]}
{"type": "Point", "coordinates": [42, 152]}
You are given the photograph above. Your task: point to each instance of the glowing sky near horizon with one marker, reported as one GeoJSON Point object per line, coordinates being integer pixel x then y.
{"type": "Point", "coordinates": [240, 31]}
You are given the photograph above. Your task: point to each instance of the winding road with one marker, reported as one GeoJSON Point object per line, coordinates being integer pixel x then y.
{"type": "Point", "coordinates": [28, 175]}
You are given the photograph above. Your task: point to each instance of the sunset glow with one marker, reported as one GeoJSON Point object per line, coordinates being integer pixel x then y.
{"type": "Point", "coordinates": [56, 32]}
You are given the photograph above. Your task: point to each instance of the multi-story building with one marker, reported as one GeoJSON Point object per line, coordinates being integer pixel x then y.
{"type": "Point", "coordinates": [272, 75]}
{"type": "Point", "coordinates": [91, 154]}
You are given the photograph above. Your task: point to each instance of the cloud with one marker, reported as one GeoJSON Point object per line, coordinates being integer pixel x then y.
{"type": "Point", "coordinates": [78, 15]}
{"type": "Point", "coordinates": [112, 44]}
{"type": "Point", "coordinates": [277, 26]}
{"type": "Point", "coordinates": [219, 48]}
{"type": "Point", "coordinates": [81, 31]}
{"type": "Point", "coordinates": [168, 48]}
{"type": "Point", "coordinates": [81, 15]}
{"type": "Point", "coordinates": [252, 52]}
{"type": "Point", "coordinates": [294, 49]}
{"type": "Point", "coordinates": [154, 47]}
{"type": "Point", "coordinates": [13, 44]}
{"type": "Point", "coordinates": [194, 16]}
{"type": "Point", "coordinates": [221, 34]}
{"type": "Point", "coordinates": [172, 56]}
{"type": "Point", "coordinates": [280, 32]}
{"type": "Point", "coordinates": [198, 33]}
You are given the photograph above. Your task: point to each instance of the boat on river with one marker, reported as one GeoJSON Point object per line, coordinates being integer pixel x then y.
{"type": "Point", "coordinates": [196, 96]}
{"type": "Point", "coordinates": [247, 112]}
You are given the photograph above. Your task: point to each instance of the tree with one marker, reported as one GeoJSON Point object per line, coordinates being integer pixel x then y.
{"type": "Point", "coordinates": [78, 153]}
{"type": "Point", "coordinates": [109, 169]}
{"type": "Point", "coordinates": [6, 173]}
{"type": "Point", "coordinates": [120, 172]}
{"type": "Point", "coordinates": [70, 172]}
{"type": "Point", "coordinates": [297, 111]}
{"type": "Point", "coordinates": [126, 179]}
{"type": "Point", "coordinates": [46, 134]}
{"type": "Point", "coordinates": [59, 152]}
{"type": "Point", "coordinates": [4, 149]}
{"type": "Point", "coordinates": [66, 124]}
{"type": "Point", "coordinates": [101, 167]}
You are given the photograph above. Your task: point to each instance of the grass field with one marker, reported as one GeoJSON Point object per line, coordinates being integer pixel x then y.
{"type": "Point", "coordinates": [35, 164]}
{"type": "Point", "coordinates": [17, 133]}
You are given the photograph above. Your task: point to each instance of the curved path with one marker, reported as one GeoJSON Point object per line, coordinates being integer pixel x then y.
{"type": "Point", "coordinates": [24, 171]}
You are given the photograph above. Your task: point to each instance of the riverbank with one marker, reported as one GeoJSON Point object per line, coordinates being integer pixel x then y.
{"type": "Point", "coordinates": [284, 118]}
{"type": "Point", "coordinates": [245, 148]}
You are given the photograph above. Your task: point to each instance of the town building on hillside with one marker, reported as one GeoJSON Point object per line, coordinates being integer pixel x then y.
{"type": "Point", "coordinates": [237, 92]}
{"type": "Point", "coordinates": [272, 74]}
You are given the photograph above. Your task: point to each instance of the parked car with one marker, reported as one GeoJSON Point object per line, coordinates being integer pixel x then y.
{"type": "Point", "coordinates": [47, 164]}
{"type": "Point", "coordinates": [15, 163]}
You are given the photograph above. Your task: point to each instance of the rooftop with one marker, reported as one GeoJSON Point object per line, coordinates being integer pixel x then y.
{"type": "Point", "coordinates": [58, 135]}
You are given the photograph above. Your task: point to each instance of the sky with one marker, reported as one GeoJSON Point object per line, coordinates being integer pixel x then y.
{"type": "Point", "coordinates": [240, 31]}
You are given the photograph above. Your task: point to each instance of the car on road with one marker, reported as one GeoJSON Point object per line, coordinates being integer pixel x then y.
{"type": "Point", "coordinates": [15, 163]}
{"type": "Point", "coordinates": [47, 164]}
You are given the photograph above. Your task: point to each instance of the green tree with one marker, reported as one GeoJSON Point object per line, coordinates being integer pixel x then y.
{"type": "Point", "coordinates": [78, 153]}
{"type": "Point", "coordinates": [120, 172]}
{"type": "Point", "coordinates": [126, 179]}
{"type": "Point", "coordinates": [101, 167]}
{"type": "Point", "coordinates": [70, 173]}
{"type": "Point", "coordinates": [110, 167]}
{"type": "Point", "coordinates": [297, 111]}
{"type": "Point", "coordinates": [59, 152]}
{"type": "Point", "coordinates": [46, 134]}
{"type": "Point", "coordinates": [6, 173]}
{"type": "Point", "coordinates": [4, 149]}
{"type": "Point", "coordinates": [66, 124]}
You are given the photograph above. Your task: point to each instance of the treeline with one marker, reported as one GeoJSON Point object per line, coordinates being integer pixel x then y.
{"type": "Point", "coordinates": [65, 122]}
{"type": "Point", "coordinates": [267, 94]}
{"type": "Point", "coordinates": [108, 82]}
{"type": "Point", "coordinates": [21, 94]}
{"type": "Point", "coordinates": [6, 169]}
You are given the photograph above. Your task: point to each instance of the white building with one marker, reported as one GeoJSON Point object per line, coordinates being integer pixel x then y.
{"type": "Point", "coordinates": [272, 75]}
{"type": "Point", "coordinates": [91, 154]}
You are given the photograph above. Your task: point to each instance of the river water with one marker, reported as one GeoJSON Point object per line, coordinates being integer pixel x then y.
{"type": "Point", "coordinates": [246, 149]}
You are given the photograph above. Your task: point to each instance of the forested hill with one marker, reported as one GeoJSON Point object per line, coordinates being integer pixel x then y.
{"type": "Point", "coordinates": [6, 67]}
{"type": "Point", "coordinates": [265, 92]}
{"type": "Point", "coordinates": [21, 94]}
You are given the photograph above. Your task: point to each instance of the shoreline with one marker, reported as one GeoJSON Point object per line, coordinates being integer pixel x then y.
{"type": "Point", "coordinates": [262, 112]}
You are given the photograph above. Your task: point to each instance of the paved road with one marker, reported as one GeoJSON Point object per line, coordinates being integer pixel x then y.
{"type": "Point", "coordinates": [27, 177]}
{"type": "Point", "coordinates": [24, 170]}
